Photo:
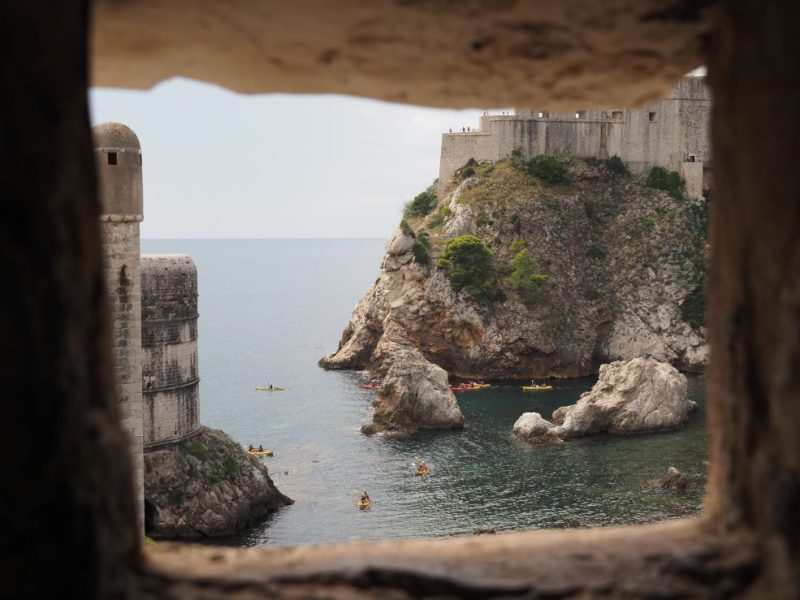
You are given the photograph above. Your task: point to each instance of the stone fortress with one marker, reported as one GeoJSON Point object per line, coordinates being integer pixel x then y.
{"type": "Point", "coordinates": [673, 133]}
{"type": "Point", "coordinates": [153, 299]}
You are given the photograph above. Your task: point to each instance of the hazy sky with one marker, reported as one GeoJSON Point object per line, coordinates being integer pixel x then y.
{"type": "Point", "coordinates": [223, 165]}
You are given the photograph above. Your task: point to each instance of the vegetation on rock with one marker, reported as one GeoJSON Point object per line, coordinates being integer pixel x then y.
{"type": "Point", "coordinates": [467, 261]}
{"type": "Point", "coordinates": [549, 168]}
{"type": "Point", "coordinates": [668, 181]}
{"type": "Point", "coordinates": [524, 275]}
{"type": "Point", "coordinates": [422, 204]}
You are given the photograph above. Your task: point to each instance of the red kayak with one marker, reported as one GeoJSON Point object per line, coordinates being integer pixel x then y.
{"type": "Point", "coordinates": [369, 386]}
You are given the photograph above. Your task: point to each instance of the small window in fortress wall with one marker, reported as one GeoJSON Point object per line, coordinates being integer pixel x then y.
{"type": "Point", "coordinates": [544, 115]}
{"type": "Point", "coordinates": [581, 114]}
{"type": "Point", "coordinates": [112, 158]}
{"type": "Point", "coordinates": [616, 114]}
{"type": "Point", "coordinates": [652, 117]}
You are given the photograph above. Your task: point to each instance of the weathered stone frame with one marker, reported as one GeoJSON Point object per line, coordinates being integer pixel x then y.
{"type": "Point", "coordinates": [69, 505]}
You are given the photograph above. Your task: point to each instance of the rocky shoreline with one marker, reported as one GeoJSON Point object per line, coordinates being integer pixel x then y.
{"type": "Point", "coordinates": [206, 486]}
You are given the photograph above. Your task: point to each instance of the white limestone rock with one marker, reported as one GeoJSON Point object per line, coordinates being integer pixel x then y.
{"type": "Point", "coordinates": [415, 394]}
{"type": "Point", "coordinates": [636, 396]}
{"type": "Point", "coordinates": [399, 243]}
{"type": "Point", "coordinates": [532, 428]}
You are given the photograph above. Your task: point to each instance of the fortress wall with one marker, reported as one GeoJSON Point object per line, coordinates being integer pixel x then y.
{"type": "Point", "coordinates": [170, 380]}
{"type": "Point", "coordinates": [678, 129]}
{"type": "Point", "coordinates": [457, 149]}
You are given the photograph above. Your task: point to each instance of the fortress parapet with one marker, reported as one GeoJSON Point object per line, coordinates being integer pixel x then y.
{"type": "Point", "coordinates": [170, 381]}
{"type": "Point", "coordinates": [673, 133]}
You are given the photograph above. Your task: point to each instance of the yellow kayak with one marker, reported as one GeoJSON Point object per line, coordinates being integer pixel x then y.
{"type": "Point", "coordinates": [421, 472]}
{"type": "Point", "coordinates": [537, 388]}
{"type": "Point", "coordinates": [260, 452]}
{"type": "Point", "coordinates": [364, 503]}
{"type": "Point", "coordinates": [270, 389]}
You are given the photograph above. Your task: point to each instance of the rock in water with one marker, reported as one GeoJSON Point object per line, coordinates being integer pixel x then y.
{"type": "Point", "coordinates": [415, 394]}
{"type": "Point", "coordinates": [532, 428]}
{"type": "Point", "coordinates": [206, 486]}
{"type": "Point", "coordinates": [634, 396]}
{"type": "Point", "coordinates": [674, 480]}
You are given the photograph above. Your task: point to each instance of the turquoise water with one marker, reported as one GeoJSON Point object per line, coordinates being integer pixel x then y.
{"type": "Point", "coordinates": [269, 309]}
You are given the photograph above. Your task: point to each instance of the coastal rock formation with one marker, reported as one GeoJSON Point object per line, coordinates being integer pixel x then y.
{"type": "Point", "coordinates": [532, 428]}
{"type": "Point", "coordinates": [415, 393]}
{"type": "Point", "coordinates": [638, 396]}
{"type": "Point", "coordinates": [206, 486]}
{"type": "Point", "coordinates": [674, 481]}
{"type": "Point", "coordinates": [625, 277]}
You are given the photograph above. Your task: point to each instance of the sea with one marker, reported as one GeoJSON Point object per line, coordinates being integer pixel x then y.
{"type": "Point", "coordinates": [271, 308]}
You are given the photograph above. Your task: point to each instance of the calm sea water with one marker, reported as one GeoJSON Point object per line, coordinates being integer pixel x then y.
{"type": "Point", "coordinates": [269, 309]}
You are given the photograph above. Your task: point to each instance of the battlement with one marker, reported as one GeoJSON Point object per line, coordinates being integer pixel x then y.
{"type": "Point", "coordinates": [672, 133]}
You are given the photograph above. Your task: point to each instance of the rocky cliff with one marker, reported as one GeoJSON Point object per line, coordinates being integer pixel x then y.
{"type": "Point", "coordinates": [622, 265]}
{"type": "Point", "coordinates": [206, 486]}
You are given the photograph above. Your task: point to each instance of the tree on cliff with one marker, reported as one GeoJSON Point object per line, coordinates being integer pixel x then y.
{"type": "Point", "coordinates": [467, 260]}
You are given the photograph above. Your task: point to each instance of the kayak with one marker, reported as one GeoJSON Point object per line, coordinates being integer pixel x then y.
{"type": "Point", "coordinates": [421, 472]}
{"type": "Point", "coordinates": [369, 386]}
{"type": "Point", "coordinates": [537, 388]}
{"type": "Point", "coordinates": [255, 452]}
{"type": "Point", "coordinates": [466, 387]}
{"type": "Point", "coordinates": [270, 389]}
{"type": "Point", "coordinates": [364, 503]}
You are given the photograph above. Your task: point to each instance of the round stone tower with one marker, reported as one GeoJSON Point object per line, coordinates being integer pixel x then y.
{"type": "Point", "coordinates": [170, 382]}
{"type": "Point", "coordinates": [118, 158]}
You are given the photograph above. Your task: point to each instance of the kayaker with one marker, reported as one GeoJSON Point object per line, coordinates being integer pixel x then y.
{"type": "Point", "coordinates": [422, 466]}
{"type": "Point", "coordinates": [365, 496]}
{"type": "Point", "coordinates": [250, 448]}
{"type": "Point", "coordinates": [260, 448]}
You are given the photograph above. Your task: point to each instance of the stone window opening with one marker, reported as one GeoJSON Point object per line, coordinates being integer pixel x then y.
{"type": "Point", "coordinates": [744, 544]}
{"type": "Point", "coordinates": [616, 114]}
{"type": "Point", "coordinates": [651, 117]}
{"type": "Point", "coordinates": [544, 115]}
{"type": "Point", "coordinates": [112, 158]}
{"type": "Point", "coordinates": [581, 114]}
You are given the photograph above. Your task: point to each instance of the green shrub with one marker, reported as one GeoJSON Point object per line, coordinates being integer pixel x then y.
{"type": "Point", "coordinates": [422, 248]}
{"type": "Point", "coordinates": [197, 449]}
{"type": "Point", "coordinates": [230, 467]}
{"type": "Point", "coordinates": [422, 204]}
{"type": "Point", "coordinates": [669, 181]}
{"type": "Point", "coordinates": [439, 217]}
{"type": "Point", "coordinates": [517, 158]}
{"type": "Point", "coordinates": [466, 260]}
{"type": "Point", "coordinates": [406, 228]}
{"type": "Point", "coordinates": [693, 309]}
{"type": "Point", "coordinates": [482, 220]}
{"type": "Point", "coordinates": [616, 166]}
{"type": "Point", "coordinates": [524, 276]}
{"type": "Point", "coordinates": [468, 170]}
{"type": "Point", "coordinates": [595, 251]}
{"type": "Point", "coordinates": [550, 169]}
{"type": "Point", "coordinates": [591, 294]}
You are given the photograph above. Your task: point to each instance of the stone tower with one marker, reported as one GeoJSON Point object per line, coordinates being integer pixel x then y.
{"type": "Point", "coordinates": [170, 380]}
{"type": "Point", "coordinates": [118, 158]}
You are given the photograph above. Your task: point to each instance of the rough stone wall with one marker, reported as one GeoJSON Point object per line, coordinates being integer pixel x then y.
{"type": "Point", "coordinates": [666, 133]}
{"type": "Point", "coordinates": [170, 380]}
